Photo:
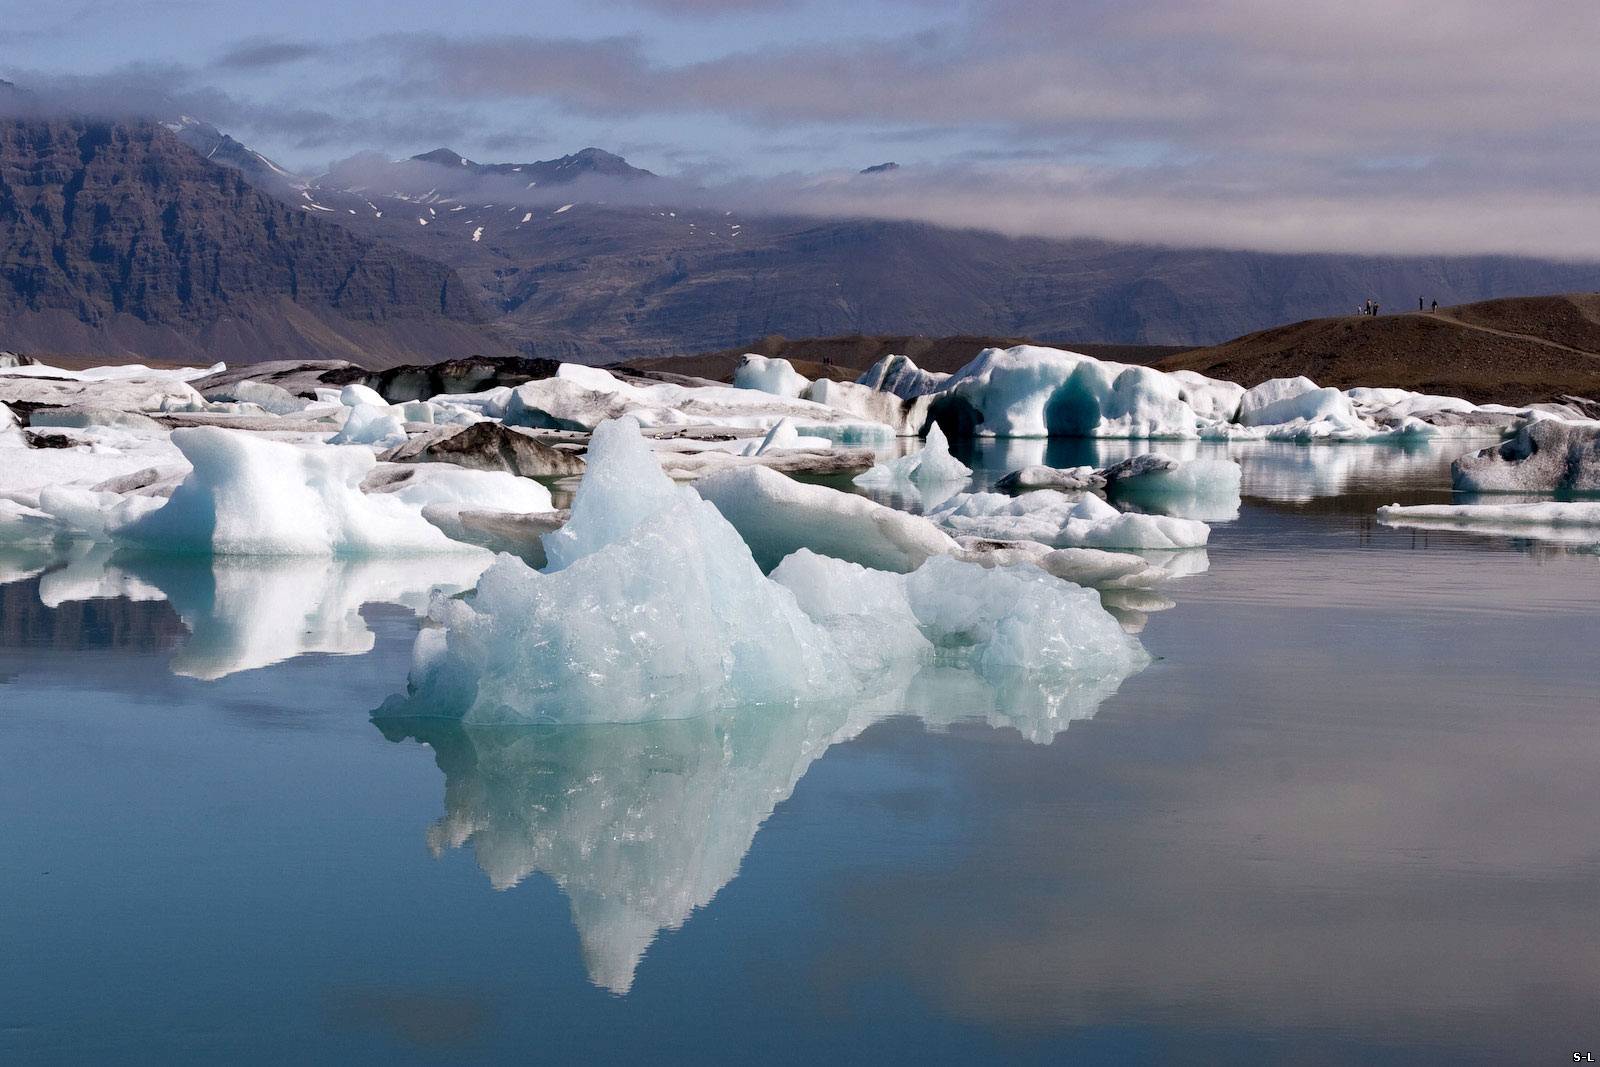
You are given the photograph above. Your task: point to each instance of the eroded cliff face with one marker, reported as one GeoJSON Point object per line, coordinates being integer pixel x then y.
{"type": "Point", "coordinates": [118, 239]}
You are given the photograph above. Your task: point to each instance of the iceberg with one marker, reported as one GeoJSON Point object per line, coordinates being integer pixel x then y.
{"type": "Point", "coordinates": [1056, 519]}
{"type": "Point", "coordinates": [599, 635]}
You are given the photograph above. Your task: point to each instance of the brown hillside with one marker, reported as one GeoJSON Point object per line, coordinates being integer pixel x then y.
{"type": "Point", "coordinates": [1514, 351]}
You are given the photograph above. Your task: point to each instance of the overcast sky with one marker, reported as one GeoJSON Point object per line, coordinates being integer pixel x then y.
{"type": "Point", "coordinates": [1399, 125]}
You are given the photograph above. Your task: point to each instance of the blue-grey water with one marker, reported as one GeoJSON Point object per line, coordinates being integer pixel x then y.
{"type": "Point", "coordinates": [1350, 814]}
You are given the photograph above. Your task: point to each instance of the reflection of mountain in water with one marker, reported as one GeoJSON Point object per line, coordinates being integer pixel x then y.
{"type": "Point", "coordinates": [642, 823]}
{"type": "Point", "coordinates": [34, 613]}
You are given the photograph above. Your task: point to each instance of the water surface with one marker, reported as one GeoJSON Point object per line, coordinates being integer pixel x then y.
{"type": "Point", "coordinates": [1349, 814]}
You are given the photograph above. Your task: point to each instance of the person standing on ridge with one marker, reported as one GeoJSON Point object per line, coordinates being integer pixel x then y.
{"type": "Point", "coordinates": [1435, 306]}
{"type": "Point", "coordinates": [1419, 303]}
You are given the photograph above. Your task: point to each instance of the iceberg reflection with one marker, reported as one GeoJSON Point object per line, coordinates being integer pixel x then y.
{"type": "Point", "coordinates": [244, 613]}
{"type": "Point", "coordinates": [642, 823]}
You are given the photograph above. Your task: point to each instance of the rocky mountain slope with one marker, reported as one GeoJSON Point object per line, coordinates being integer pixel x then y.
{"type": "Point", "coordinates": [1519, 350]}
{"type": "Point", "coordinates": [606, 273]}
{"type": "Point", "coordinates": [119, 240]}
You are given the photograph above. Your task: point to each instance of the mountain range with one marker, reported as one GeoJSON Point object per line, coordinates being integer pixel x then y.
{"type": "Point", "coordinates": [174, 240]}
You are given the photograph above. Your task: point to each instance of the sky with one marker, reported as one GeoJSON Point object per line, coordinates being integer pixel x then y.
{"type": "Point", "coordinates": [1394, 126]}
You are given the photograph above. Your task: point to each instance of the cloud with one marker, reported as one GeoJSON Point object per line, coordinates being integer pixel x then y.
{"type": "Point", "coordinates": [1279, 124]}
{"type": "Point", "coordinates": [267, 55]}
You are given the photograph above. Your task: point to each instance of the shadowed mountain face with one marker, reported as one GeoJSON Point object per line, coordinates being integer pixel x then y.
{"type": "Point", "coordinates": [606, 274]}
{"type": "Point", "coordinates": [1519, 350]}
{"type": "Point", "coordinates": [119, 240]}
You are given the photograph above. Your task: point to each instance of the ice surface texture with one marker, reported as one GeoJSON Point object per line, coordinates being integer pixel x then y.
{"type": "Point", "coordinates": [654, 607]}
{"type": "Point", "coordinates": [1548, 456]}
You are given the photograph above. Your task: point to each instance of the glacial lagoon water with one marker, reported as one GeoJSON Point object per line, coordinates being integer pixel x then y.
{"type": "Point", "coordinates": [1350, 813]}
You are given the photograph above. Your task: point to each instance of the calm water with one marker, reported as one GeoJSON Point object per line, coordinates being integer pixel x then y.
{"type": "Point", "coordinates": [1351, 813]}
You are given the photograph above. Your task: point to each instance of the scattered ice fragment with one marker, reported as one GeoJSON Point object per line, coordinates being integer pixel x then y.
{"type": "Point", "coordinates": [933, 465]}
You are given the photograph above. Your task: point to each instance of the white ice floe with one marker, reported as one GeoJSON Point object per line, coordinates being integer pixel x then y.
{"type": "Point", "coordinates": [601, 634]}
{"type": "Point", "coordinates": [1062, 521]}
{"type": "Point", "coordinates": [248, 496]}
{"type": "Point", "coordinates": [775, 376]}
{"type": "Point", "coordinates": [931, 466]}
{"type": "Point", "coordinates": [777, 515]}
{"type": "Point", "coordinates": [1571, 522]}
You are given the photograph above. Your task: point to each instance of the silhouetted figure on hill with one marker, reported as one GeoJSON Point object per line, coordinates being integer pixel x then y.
{"type": "Point", "coordinates": [1419, 303]}
{"type": "Point", "coordinates": [1435, 305]}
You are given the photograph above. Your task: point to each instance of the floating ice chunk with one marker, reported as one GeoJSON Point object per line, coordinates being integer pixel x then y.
{"type": "Point", "coordinates": [1547, 456]}
{"type": "Point", "coordinates": [777, 515]}
{"type": "Point", "coordinates": [355, 394]}
{"type": "Point", "coordinates": [1056, 519]}
{"type": "Point", "coordinates": [1082, 566]}
{"type": "Point", "coordinates": [783, 436]}
{"type": "Point", "coordinates": [602, 636]}
{"type": "Point", "coordinates": [1571, 522]}
{"type": "Point", "coordinates": [371, 424]}
{"type": "Point", "coordinates": [776, 376]}
{"type": "Point", "coordinates": [1205, 489]}
{"type": "Point", "coordinates": [1259, 398]}
{"type": "Point", "coordinates": [1036, 476]}
{"type": "Point", "coordinates": [248, 496]}
{"type": "Point", "coordinates": [933, 465]}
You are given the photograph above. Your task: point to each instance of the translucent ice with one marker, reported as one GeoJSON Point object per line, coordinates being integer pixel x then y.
{"type": "Point", "coordinates": [653, 607]}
